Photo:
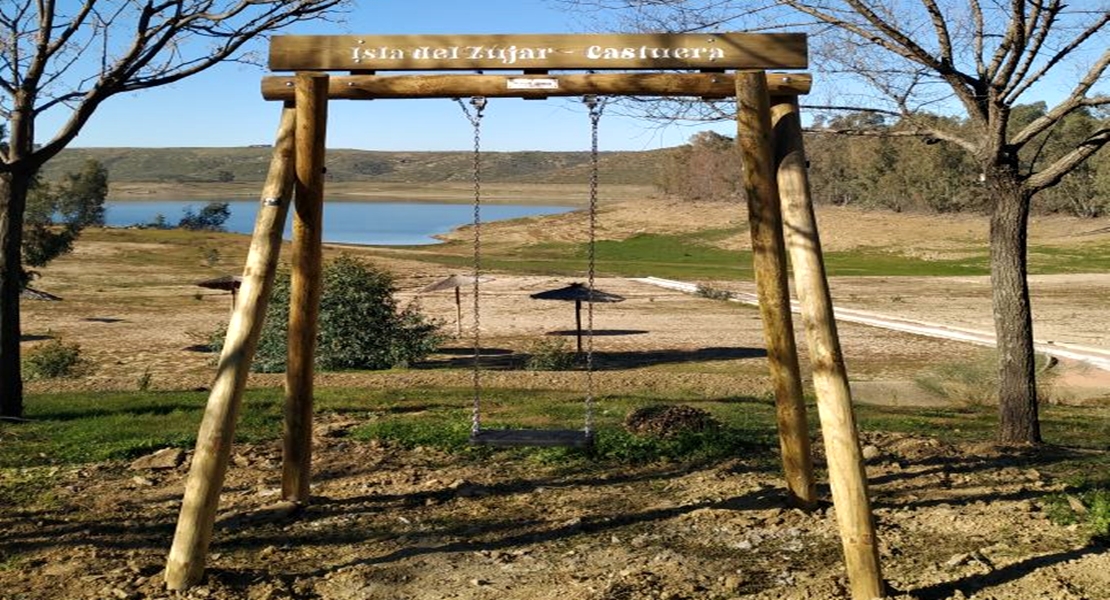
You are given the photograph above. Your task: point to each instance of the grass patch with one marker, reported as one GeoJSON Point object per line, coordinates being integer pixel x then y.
{"type": "Point", "coordinates": [687, 256]}
{"type": "Point", "coordinates": [694, 256]}
{"type": "Point", "coordinates": [71, 429]}
{"type": "Point", "coordinates": [27, 487]}
{"type": "Point", "coordinates": [1089, 509]}
{"type": "Point", "coordinates": [1080, 258]}
{"type": "Point", "coordinates": [975, 382]}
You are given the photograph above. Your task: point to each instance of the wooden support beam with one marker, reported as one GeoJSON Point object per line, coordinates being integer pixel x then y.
{"type": "Point", "coordinates": [185, 565]}
{"type": "Point", "coordinates": [305, 284]}
{"type": "Point", "coordinates": [368, 87]}
{"type": "Point", "coordinates": [769, 256]}
{"type": "Point", "coordinates": [847, 475]}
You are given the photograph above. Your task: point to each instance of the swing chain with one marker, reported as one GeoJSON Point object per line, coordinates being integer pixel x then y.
{"type": "Point", "coordinates": [596, 106]}
{"type": "Point", "coordinates": [475, 118]}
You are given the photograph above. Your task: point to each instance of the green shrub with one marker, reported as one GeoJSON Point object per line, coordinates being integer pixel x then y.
{"type": "Point", "coordinates": [1090, 510]}
{"type": "Point", "coordinates": [360, 324]}
{"type": "Point", "coordinates": [712, 293]}
{"type": "Point", "coordinates": [549, 354]}
{"type": "Point", "coordinates": [53, 360]}
{"type": "Point", "coordinates": [210, 218]}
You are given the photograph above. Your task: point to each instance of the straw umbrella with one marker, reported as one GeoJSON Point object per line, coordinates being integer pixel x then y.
{"type": "Point", "coordinates": [456, 282]}
{"type": "Point", "coordinates": [577, 292]}
{"type": "Point", "coordinates": [229, 283]}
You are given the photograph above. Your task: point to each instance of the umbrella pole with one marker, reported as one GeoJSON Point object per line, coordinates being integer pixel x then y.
{"type": "Point", "coordinates": [578, 323]}
{"type": "Point", "coordinates": [458, 313]}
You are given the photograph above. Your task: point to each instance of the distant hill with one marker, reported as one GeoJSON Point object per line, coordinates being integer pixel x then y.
{"type": "Point", "coordinates": [249, 164]}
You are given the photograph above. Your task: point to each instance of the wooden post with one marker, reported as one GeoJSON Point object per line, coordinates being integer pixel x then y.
{"type": "Point", "coordinates": [769, 257]}
{"type": "Point", "coordinates": [185, 565]}
{"type": "Point", "coordinates": [304, 295]}
{"type": "Point", "coordinates": [847, 476]}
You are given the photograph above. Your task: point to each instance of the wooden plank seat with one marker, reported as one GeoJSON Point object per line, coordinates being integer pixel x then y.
{"type": "Point", "coordinates": [569, 438]}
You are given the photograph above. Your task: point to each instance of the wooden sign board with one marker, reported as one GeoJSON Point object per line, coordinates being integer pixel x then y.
{"type": "Point", "coordinates": [539, 52]}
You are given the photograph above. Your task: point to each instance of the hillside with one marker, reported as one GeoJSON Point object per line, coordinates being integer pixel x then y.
{"type": "Point", "coordinates": [249, 164]}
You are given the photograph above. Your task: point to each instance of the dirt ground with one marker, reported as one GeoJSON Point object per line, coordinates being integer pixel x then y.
{"type": "Point", "coordinates": [954, 522]}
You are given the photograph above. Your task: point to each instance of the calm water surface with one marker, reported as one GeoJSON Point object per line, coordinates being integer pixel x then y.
{"type": "Point", "coordinates": [371, 223]}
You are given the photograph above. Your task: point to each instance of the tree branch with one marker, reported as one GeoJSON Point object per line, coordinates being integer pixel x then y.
{"type": "Point", "coordinates": [1052, 174]}
{"type": "Point", "coordinates": [892, 39]}
{"type": "Point", "coordinates": [1015, 92]}
{"type": "Point", "coordinates": [1013, 32]}
{"type": "Point", "coordinates": [940, 25]}
{"type": "Point", "coordinates": [1039, 28]}
{"type": "Point", "coordinates": [164, 48]}
{"type": "Point", "coordinates": [917, 131]}
{"type": "Point", "coordinates": [1076, 99]}
{"type": "Point", "coordinates": [979, 37]}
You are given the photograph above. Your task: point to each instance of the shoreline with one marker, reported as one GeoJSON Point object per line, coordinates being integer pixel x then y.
{"type": "Point", "coordinates": [555, 194]}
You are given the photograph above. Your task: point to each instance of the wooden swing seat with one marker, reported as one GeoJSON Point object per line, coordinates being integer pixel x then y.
{"type": "Point", "coordinates": [544, 438]}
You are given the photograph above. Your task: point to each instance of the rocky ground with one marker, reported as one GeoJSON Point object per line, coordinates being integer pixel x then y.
{"type": "Point", "coordinates": [953, 522]}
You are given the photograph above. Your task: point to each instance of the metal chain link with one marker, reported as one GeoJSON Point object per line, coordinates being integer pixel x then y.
{"type": "Point", "coordinates": [596, 106]}
{"type": "Point", "coordinates": [475, 118]}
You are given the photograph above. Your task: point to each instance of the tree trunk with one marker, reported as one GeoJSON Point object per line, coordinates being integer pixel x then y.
{"type": "Point", "coordinates": [1013, 320]}
{"type": "Point", "coordinates": [13, 201]}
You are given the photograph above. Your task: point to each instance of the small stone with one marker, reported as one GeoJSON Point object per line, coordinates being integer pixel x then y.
{"type": "Point", "coordinates": [142, 481]}
{"type": "Point", "coordinates": [732, 583]}
{"type": "Point", "coordinates": [871, 452]}
{"type": "Point", "coordinates": [166, 458]}
{"type": "Point", "coordinates": [957, 559]}
{"type": "Point", "coordinates": [478, 582]}
{"type": "Point", "coordinates": [574, 524]}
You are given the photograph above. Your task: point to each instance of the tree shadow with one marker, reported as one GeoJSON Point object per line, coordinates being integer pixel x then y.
{"type": "Point", "coordinates": [506, 359]}
{"type": "Point", "coordinates": [972, 584]}
{"type": "Point", "coordinates": [614, 361]}
{"type": "Point", "coordinates": [493, 359]}
{"type": "Point", "coordinates": [1020, 457]}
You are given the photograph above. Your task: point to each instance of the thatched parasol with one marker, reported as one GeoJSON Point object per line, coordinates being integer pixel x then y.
{"type": "Point", "coordinates": [229, 283]}
{"type": "Point", "coordinates": [454, 282]}
{"type": "Point", "coordinates": [33, 294]}
{"type": "Point", "coordinates": [578, 292]}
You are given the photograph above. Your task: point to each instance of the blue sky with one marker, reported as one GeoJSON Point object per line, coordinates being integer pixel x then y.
{"type": "Point", "coordinates": [223, 107]}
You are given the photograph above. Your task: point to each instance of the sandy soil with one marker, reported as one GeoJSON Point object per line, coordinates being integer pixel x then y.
{"type": "Point", "coordinates": [954, 522]}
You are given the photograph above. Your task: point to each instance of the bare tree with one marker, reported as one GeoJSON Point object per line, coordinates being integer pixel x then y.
{"type": "Point", "coordinates": [977, 59]}
{"type": "Point", "coordinates": [69, 57]}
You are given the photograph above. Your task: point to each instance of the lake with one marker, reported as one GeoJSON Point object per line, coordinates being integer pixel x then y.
{"type": "Point", "coordinates": [368, 223]}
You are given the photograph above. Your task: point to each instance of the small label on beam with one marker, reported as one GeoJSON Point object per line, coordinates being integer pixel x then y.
{"type": "Point", "coordinates": [532, 83]}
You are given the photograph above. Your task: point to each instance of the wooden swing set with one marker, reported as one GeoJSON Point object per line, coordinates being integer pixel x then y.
{"type": "Point", "coordinates": [712, 66]}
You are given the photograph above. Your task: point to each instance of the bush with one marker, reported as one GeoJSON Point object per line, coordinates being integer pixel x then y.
{"type": "Point", "coordinates": [360, 325]}
{"type": "Point", "coordinates": [713, 293]}
{"type": "Point", "coordinates": [53, 360]}
{"type": "Point", "coordinates": [975, 382]}
{"type": "Point", "coordinates": [549, 354]}
{"type": "Point", "coordinates": [1090, 510]}
{"type": "Point", "coordinates": [210, 218]}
